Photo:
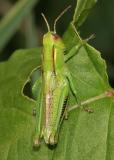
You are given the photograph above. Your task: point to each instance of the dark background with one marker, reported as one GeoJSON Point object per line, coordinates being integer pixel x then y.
{"type": "Point", "coordinates": [100, 22]}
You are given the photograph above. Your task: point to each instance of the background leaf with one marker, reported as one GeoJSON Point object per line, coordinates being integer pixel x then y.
{"type": "Point", "coordinates": [17, 123]}
{"type": "Point", "coordinates": [12, 20]}
{"type": "Point", "coordinates": [82, 10]}
{"type": "Point", "coordinates": [86, 136]}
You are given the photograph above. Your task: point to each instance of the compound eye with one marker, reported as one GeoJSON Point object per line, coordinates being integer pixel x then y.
{"type": "Point", "coordinates": [55, 36]}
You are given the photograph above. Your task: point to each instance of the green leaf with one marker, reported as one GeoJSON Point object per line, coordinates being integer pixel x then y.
{"type": "Point", "coordinates": [83, 136]}
{"type": "Point", "coordinates": [17, 123]}
{"type": "Point", "coordinates": [88, 136]}
{"type": "Point", "coordinates": [10, 23]}
{"type": "Point", "coordinates": [82, 10]}
{"type": "Point", "coordinates": [80, 14]}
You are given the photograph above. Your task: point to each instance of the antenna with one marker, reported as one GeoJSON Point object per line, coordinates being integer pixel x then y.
{"type": "Point", "coordinates": [59, 16]}
{"type": "Point", "coordinates": [48, 27]}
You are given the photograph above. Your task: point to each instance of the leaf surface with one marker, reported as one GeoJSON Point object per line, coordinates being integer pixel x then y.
{"type": "Point", "coordinates": [11, 21]}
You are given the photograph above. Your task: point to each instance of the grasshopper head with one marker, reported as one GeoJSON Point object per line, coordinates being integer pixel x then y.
{"type": "Point", "coordinates": [53, 39]}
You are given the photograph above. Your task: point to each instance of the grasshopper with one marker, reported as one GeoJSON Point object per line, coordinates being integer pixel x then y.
{"type": "Point", "coordinates": [52, 89]}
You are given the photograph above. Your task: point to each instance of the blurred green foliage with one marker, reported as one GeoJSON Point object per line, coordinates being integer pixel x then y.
{"type": "Point", "coordinates": [32, 27]}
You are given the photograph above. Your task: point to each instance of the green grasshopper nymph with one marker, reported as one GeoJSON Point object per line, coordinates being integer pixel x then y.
{"type": "Point", "coordinates": [52, 89]}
